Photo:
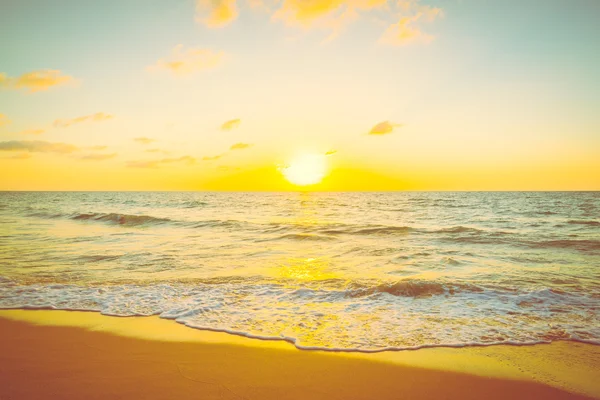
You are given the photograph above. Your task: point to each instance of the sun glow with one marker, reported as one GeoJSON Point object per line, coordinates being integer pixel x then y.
{"type": "Point", "coordinates": [306, 169]}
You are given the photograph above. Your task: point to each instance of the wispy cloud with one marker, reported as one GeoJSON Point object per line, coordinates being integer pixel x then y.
{"type": "Point", "coordinates": [231, 124]}
{"type": "Point", "coordinates": [240, 146]}
{"type": "Point", "coordinates": [211, 158]}
{"type": "Point", "coordinates": [416, 7]}
{"type": "Point", "coordinates": [406, 30]}
{"type": "Point", "coordinates": [38, 146]}
{"type": "Point", "coordinates": [330, 152]}
{"type": "Point", "coordinates": [216, 13]}
{"type": "Point", "coordinates": [189, 160]}
{"type": "Point", "coordinates": [183, 159]}
{"type": "Point", "coordinates": [100, 116]}
{"type": "Point", "coordinates": [98, 157]}
{"type": "Point", "coordinates": [32, 132]}
{"type": "Point", "coordinates": [144, 140]}
{"type": "Point", "coordinates": [35, 81]}
{"type": "Point", "coordinates": [4, 120]}
{"type": "Point", "coordinates": [383, 128]}
{"type": "Point", "coordinates": [186, 61]}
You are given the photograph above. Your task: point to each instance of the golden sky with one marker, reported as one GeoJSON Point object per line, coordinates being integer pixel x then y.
{"type": "Point", "coordinates": [299, 95]}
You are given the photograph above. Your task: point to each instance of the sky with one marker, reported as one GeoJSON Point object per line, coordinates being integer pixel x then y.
{"type": "Point", "coordinates": [227, 94]}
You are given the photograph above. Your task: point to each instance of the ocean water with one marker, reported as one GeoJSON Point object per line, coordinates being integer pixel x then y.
{"type": "Point", "coordinates": [337, 271]}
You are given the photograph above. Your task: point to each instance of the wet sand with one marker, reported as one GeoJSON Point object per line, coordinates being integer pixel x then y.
{"type": "Point", "coordinates": [76, 355]}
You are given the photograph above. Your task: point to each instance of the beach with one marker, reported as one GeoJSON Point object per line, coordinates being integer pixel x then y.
{"type": "Point", "coordinates": [74, 355]}
{"type": "Point", "coordinates": [299, 199]}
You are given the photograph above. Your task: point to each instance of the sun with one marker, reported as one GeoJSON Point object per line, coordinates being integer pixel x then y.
{"type": "Point", "coordinates": [306, 169]}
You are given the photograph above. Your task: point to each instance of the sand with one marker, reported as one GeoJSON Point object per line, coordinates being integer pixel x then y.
{"type": "Point", "coordinates": [78, 355]}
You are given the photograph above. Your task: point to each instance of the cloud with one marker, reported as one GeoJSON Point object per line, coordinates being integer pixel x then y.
{"type": "Point", "coordinates": [98, 157]}
{"type": "Point", "coordinates": [211, 158]}
{"type": "Point", "coordinates": [35, 81]}
{"type": "Point", "coordinates": [186, 61]}
{"type": "Point", "coordinates": [383, 128]}
{"type": "Point", "coordinates": [185, 159]}
{"type": "Point", "coordinates": [331, 15]}
{"type": "Point", "coordinates": [216, 13]}
{"type": "Point", "coordinates": [64, 123]}
{"type": "Point", "coordinates": [4, 120]}
{"type": "Point", "coordinates": [403, 32]}
{"type": "Point", "coordinates": [189, 160]}
{"type": "Point", "coordinates": [415, 7]}
{"type": "Point", "coordinates": [330, 152]}
{"type": "Point", "coordinates": [231, 124]}
{"type": "Point", "coordinates": [98, 148]}
{"type": "Point", "coordinates": [37, 146]}
{"type": "Point", "coordinates": [144, 140]}
{"type": "Point", "coordinates": [240, 146]}
{"type": "Point", "coordinates": [32, 132]}
{"type": "Point", "coordinates": [406, 31]}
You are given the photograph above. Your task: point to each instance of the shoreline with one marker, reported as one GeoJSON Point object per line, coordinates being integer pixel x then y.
{"type": "Point", "coordinates": [556, 370]}
{"type": "Point", "coordinates": [285, 340]}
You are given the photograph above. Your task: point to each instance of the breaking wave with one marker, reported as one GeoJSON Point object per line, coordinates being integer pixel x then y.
{"type": "Point", "coordinates": [310, 318]}
{"type": "Point", "coordinates": [121, 219]}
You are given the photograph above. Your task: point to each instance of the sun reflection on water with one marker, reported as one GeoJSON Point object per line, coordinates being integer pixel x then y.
{"type": "Point", "coordinates": [307, 269]}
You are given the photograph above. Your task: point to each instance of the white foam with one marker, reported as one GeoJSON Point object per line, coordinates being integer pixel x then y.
{"type": "Point", "coordinates": [374, 323]}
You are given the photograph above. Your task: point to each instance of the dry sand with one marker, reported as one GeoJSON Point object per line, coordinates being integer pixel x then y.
{"type": "Point", "coordinates": [77, 355]}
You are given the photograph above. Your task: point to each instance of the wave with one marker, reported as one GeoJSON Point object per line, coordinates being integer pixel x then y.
{"type": "Point", "coordinates": [489, 341]}
{"type": "Point", "coordinates": [459, 229]}
{"type": "Point", "coordinates": [299, 237]}
{"type": "Point", "coordinates": [138, 220]}
{"type": "Point", "coordinates": [375, 230]}
{"type": "Point", "coordinates": [213, 223]}
{"type": "Point", "coordinates": [194, 204]}
{"type": "Point", "coordinates": [482, 239]}
{"type": "Point", "coordinates": [580, 245]}
{"type": "Point", "coordinates": [121, 219]}
{"type": "Point", "coordinates": [404, 289]}
{"type": "Point", "coordinates": [393, 324]}
{"type": "Point", "coordinates": [583, 222]}
{"type": "Point", "coordinates": [413, 288]}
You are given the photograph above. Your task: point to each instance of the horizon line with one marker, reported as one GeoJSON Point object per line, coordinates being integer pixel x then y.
{"type": "Point", "coordinates": [307, 191]}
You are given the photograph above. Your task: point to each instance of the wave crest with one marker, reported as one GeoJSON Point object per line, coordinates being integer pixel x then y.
{"type": "Point", "coordinates": [415, 288]}
{"type": "Point", "coordinates": [121, 219]}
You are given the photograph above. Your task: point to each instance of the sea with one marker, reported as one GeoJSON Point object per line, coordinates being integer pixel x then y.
{"type": "Point", "coordinates": [346, 271]}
